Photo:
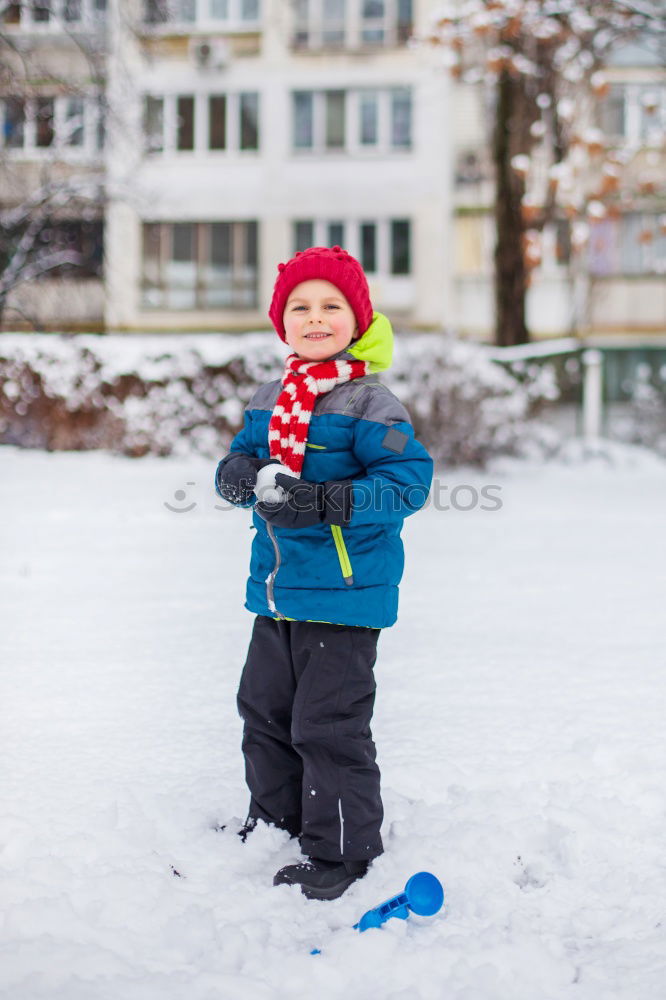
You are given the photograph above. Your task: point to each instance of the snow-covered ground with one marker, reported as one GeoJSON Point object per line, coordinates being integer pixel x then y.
{"type": "Point", "coordinates": [519, 724]}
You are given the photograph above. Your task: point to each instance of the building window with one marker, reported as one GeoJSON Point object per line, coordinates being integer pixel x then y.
{"type": "Point", "coordinates": [353, 121]}
{"type": "Point", "coordinates": [185, 11]}
{"type": "Point", "coordinates": [369, 117]}
{"type": "Point", "coordinates": [335, 118]}
{"type": "Point", "coordinates": [200, 265]}
{"type": "Point", "coordinates": [382, 246]}
{"type": "Point", "coordinates": [469, 168]}
{"type": "Point", "coordinates": [52, 16]}
{"type": "Point", "coordinates": [73, 125]}
{"type": "Point", "coordinates": [14, 123]}
{"type": "Point", "coordinates": [249, 10]}
{"type": "Point", "coordinates": [303, 104]}
{"type": "Point", "coordinates": [401, 118]}
{"type": "Point", "coordinates": [232, 13]}
{"type": "Point", "coordinates": [632, 245]}
{"type": "Point", "coordinates": [217, 121]}
{"type": "Point", "coordinates": [372, 20]}
{"type": "Point", "coordinates": [227, 122]}
{"type": "Point", "coordinates": [634, 113]}
{"type": "Point", "coordinates": [303, 235]}
{"type": "Point", "coordinates": [369, 247]}
{"type": "Point", "coordinates": [155, 11]}
{"type": "Point", "coordinates": [12, 13]}
{"type": "Point", "coordinates": [335, 24]}
{"type": "Point", "coordinates": [330, 234]}
{"type": "Point", "coordinates": [99, 123]}
{"type": "Point", "coordinates": [169, 11]}
{"type": "Point", "coordinates": [72, 11]}
{"type": "Point", "coordinates": [611, 111]}
{"type": "Point", "coordinates": [80, 240]}
{"type": "Point", "coordinates": [185, 123]}
{"type": "Point", "coordinates": [153, 124]}
{"type": "Point", "coordinates": [301, 35]}
{"type": "Point", "coordinates": [41, 11]}
{"type": "Point", "coordinates": [335, 234]}
{"type": "Point", "coordinates": [249, 121]}
{"type": "Point", "coordinates": [44, 115]}
{"type": "Point", "coordinates": [405, 23]}
{"type": "Point", "coordinates": [74, 121]}
{"type": "Point", "coordinates": [400, 247]}
{"type": "Point", "coordinates": [181, 266]}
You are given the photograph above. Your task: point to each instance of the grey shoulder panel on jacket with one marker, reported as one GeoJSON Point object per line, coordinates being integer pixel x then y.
{"type": "Point", "coordinates": [383, 406]}
{"type": "Point", "coordinates": [364, 398]}
{"type": "Point", "coordinates": [265, 397]}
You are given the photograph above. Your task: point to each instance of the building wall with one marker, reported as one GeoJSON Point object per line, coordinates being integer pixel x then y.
{"type": "Point", "coordinates": [276, 185]}
{"type": "Point", "coordinates": [442, 184]}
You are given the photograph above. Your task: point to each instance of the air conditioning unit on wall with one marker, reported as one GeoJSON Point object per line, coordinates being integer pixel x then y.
{"type": "Point", "coordinates": [210, 52]}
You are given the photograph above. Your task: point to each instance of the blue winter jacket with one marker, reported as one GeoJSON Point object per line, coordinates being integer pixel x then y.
{"type": "Point", "coordinates": [359, 431]}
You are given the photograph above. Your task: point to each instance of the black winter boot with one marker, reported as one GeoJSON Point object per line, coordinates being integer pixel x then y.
{"type": "Point", "coordinates": [320, 879]}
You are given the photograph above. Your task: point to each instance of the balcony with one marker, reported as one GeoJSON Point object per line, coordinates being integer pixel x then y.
{"type": "Point", "coordinates": [169, 18]}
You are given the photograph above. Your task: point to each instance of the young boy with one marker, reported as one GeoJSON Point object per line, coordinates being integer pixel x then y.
{"type": "Point", "coordinates": [325, 567]}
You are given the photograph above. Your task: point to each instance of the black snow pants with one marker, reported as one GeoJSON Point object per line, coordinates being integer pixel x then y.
{"type": "Point", "coordinates": [306, 697]}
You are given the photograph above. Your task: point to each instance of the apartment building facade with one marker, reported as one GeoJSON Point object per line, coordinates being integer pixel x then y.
{"type": "Point", "coordinates": [190, 145]}
{"type": "Point", "coordinates": [254, 128]}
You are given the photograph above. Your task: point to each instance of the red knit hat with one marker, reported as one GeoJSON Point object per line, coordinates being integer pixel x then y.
{"type": "Point", "coordinates": [331, 264]}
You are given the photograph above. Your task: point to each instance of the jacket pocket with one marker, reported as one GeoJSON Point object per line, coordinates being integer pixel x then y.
{"type": "Point", "coordinates": [343, 555]}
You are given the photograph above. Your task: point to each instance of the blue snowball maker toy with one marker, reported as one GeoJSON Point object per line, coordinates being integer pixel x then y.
{"type": "Point", "coordinates": [423, 895]}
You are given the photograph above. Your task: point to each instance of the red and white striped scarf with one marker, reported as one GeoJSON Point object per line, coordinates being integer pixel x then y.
{"type": "Point", "coordinates": [302, 382]}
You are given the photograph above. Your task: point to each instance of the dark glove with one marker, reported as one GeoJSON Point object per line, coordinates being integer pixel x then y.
{"type": "Point", "coordinates": [236, 477]}
{"type": "Point", "coordinates": [307, 504]}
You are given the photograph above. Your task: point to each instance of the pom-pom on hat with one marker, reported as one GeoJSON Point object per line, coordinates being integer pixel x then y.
{"type": "Point", "coordinates": [330, 264]}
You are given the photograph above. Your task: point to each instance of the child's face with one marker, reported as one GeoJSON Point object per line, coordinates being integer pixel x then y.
{"type": "Point", "coordinates": [318, 320]}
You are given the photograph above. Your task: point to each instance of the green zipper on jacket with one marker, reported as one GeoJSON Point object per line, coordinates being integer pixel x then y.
{"type": "Point", "coordinates": [343, 555]}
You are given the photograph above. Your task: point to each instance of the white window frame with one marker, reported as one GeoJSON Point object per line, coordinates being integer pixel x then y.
{"type": "Point", "coordinates": [201, 123]}
{"type": "Point", "coordinates": [634, 116]}
{"type": "Point", "coordinates": [354, 25]}
{"type": "Point", "coordinates": [352, 241]}
{"type": "Point", "coordinates": [645, 259]}
{"type": "Point", "coordinates": [91, 17]}
{"type": "Point", "coordinates": [202, 245]}
{"type": "Point", "coordinates": [205, 22]}
{"type": "Point", "coordinates": [59, 149]}
{"type": "Point", "coordinates": [633, 133]}
{"type": "Point", "coordinates": [353, 144]}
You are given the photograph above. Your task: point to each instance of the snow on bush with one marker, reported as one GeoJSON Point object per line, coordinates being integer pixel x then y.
{"type": "Point", "coordinates": [466, 407]}
{"type": "Point", "coordinates": [165, 395]}
{"type": "Point", "coordinates": [134, 395]}
{"type": "Point", "coordinates": [645, 423]}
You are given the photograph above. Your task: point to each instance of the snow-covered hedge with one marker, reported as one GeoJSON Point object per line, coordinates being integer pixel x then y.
{"type": "Point", "coordinates": [466, 407]}
{"type": "Point", "coordinates": [645, 421]}
{"type": "Point", "coordinates": [170, 394]}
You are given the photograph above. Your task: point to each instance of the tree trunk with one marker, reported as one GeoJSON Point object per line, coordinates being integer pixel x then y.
{"type": "Point", "coordinates": [510, 271]}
